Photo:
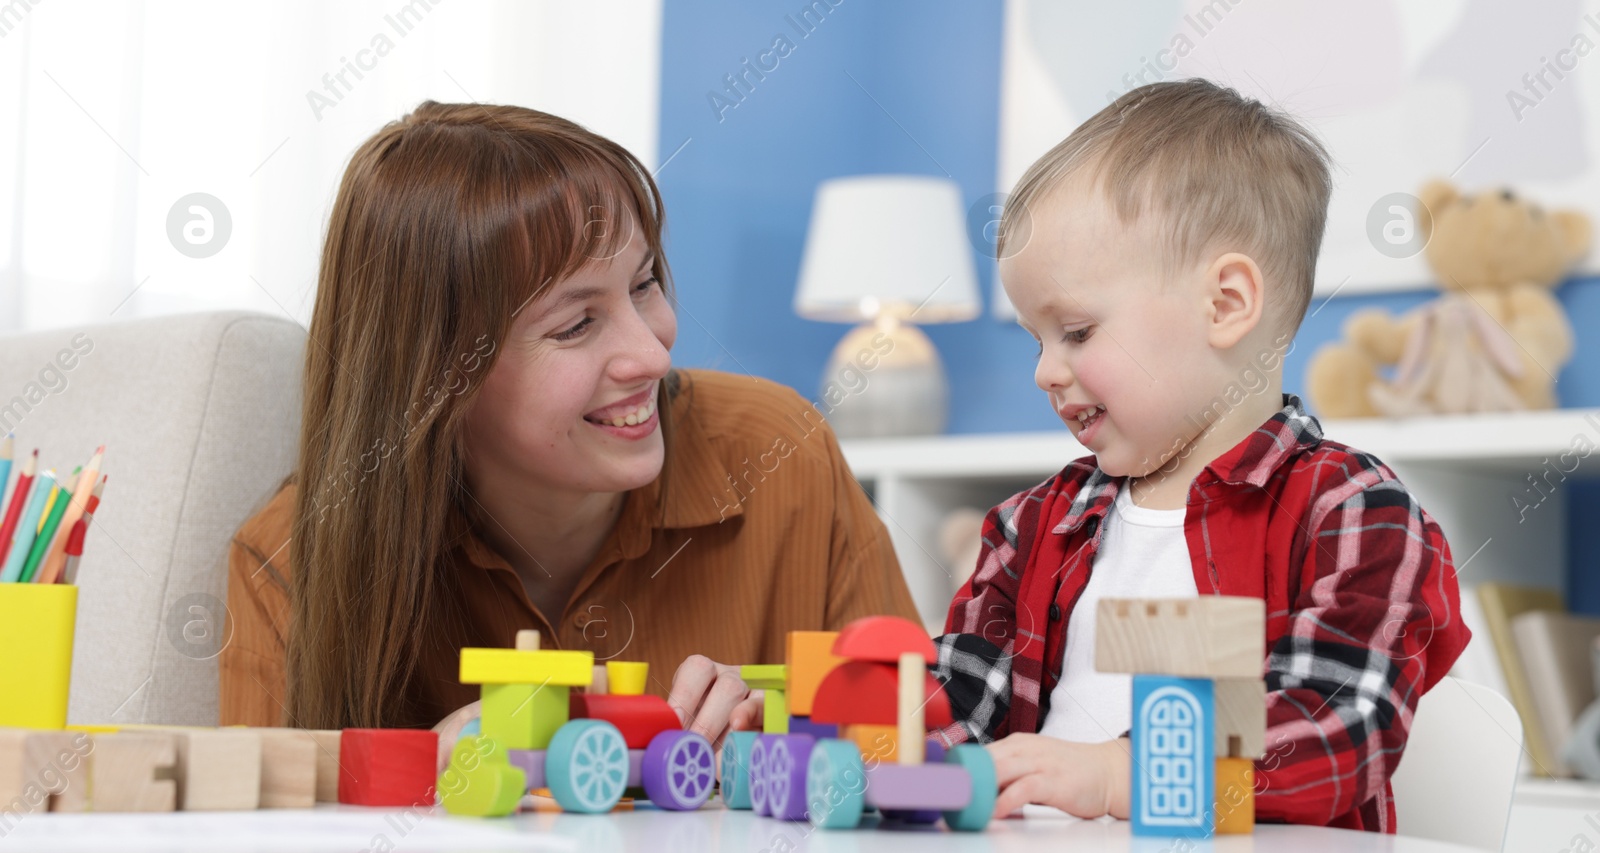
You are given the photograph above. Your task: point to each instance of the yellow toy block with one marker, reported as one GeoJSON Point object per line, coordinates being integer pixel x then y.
{"type": "Point", "coordinates": [766, 676]}
{"type": "Point", "coordinates": [1236, 796]}
{"type": "Point", "coordinates": [510, 666]}
{"type": "Point", "coordinates": [810, 656]}
{"type": "Point", "coordinates": [626, 678]}
{"type": "Point", "coordinates": [36, 628]}
{"type": "Point", "coordinates": [93, 729]}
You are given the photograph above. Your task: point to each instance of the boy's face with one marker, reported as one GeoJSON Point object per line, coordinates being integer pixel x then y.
{"type": "Point", "coordinates": [1111, 331]}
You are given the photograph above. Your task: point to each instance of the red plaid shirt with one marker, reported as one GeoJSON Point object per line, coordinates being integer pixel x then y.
{"type": "Point", "coordinates": [1363, 610]}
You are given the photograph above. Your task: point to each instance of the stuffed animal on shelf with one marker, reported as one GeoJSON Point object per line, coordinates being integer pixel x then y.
{"type": "Point", "coordinates": [1496, 338]}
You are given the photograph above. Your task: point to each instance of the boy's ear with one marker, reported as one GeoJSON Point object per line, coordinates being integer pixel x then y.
{"type": "Point", "coordinates": [1235, 298]}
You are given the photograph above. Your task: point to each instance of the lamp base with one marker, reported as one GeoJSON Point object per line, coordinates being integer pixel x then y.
{"type": "Point", "coordinates": [885, 379]}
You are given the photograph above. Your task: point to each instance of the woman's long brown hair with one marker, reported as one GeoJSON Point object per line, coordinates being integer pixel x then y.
{"type": "Point", "coordinates": [447, 223]}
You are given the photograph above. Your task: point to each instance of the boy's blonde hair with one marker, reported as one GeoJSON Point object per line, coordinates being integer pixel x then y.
{"type": "Point", "coordinates": [1219, 168]}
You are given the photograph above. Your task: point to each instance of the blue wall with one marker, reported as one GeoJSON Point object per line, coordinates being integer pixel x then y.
{"type": "Point", "coordinates": [909, 87]}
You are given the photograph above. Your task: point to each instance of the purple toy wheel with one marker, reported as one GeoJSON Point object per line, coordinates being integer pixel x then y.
{"type": "Point", "coordinates": [678, 770]}
{"type": "Point", "coordinates": [787, 759]}
{"type": "Point", "coordinates": [758, 774]}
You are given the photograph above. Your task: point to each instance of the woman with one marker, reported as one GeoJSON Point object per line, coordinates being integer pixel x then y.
{"type": "Point", "coordinates": [494, 439]}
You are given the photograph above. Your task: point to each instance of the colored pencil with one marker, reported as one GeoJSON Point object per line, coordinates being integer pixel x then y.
{"type": "Point", "coordinates": [47, 535]}
{"type": "Point", "coordinates": [74, 550]}
{"type": "Point", "coordinates": [70, 573]}
{"type": "Point", "coordinates": [27, 528]}
{"type": "Point", "coordinates": [19, 497]}
{"type": "Point", "coordinates": [55, 558]}
{"type": "Point", "coordinates": [7, 449]}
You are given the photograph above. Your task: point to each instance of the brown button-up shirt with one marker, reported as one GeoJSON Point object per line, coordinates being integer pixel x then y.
{"type": "Point", "coordinates": [755, 528]}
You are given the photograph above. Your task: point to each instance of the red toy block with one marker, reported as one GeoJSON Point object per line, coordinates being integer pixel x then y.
{"type": "Point", "coordinates": [639, 718]}
{"type": "Point", "coordinates": [883, 639]}
{"type": "Point", "coordinates": [868, 692]}
{"type": "Point", "coordinates": [387, 767]}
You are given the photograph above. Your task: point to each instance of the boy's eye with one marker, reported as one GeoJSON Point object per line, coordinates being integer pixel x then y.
{"type": "Point", "coordinates": [576, 330]}
{"type": "Point", "coordinates": [1076, 336]}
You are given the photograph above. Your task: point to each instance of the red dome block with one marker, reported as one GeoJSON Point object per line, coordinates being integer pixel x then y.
{"type": "Point", "coordinates": [388, 767]}
{"type": "Point", "coordinates": [883, 639]}
{"type": "Point", "coordinates": [639, 718]}
{"type": "Point", "coordinates": [867, 692]}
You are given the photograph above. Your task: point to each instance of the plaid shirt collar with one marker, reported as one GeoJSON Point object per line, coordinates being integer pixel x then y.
{"type": "Point", "coordinates": [1250, 462]}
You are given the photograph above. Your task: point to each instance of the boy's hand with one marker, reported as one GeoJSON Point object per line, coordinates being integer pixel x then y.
{"type": "Point", "coordinates": [1085, 780]}
{"type": "Point", "coordinates": [712, 699]}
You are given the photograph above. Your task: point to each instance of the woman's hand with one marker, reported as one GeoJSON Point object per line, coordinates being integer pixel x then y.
{"type": "Point", "coordinates": [1085, 780]}
{"type": "Point", "coordinates": [450, 727]}
{"type": "Point", "coordinates": [712, 699]}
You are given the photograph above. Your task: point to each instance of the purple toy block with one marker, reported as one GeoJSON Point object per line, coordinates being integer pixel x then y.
{"type": "Point", "coordinates": [804, 726]}
{"type": "Point", "coordinates": [635, 768]}
{"type": "Point", "coordinates": [942, 787]}
{"type": "Point", "coordinates": [532, 763]}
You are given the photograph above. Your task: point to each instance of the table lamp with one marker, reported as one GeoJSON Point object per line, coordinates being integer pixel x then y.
{"type": "Point", "coordinates": [887, 251]}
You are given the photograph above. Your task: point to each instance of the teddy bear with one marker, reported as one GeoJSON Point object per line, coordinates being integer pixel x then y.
{"type": "Point", "coordinates": [1495, 339]}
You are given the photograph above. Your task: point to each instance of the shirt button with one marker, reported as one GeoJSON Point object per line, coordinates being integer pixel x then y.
{"type": "Point", "coordinates": [1055, 612]}
{"type": "Point", "coordinates": [1092, 525]}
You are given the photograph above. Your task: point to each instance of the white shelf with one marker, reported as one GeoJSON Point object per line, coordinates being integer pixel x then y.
{"type": "Point", "coordinates": [1464, 469]}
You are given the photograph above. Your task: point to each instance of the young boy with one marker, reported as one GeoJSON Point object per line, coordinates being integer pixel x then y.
{"type": "Point", "coordinates": [1163, 257]}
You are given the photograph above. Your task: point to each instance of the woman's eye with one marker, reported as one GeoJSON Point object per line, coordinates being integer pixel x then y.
{"type": "Point", "coordinates": [575, 331]}
{"type": "Point", "coordinates": [648, 283]}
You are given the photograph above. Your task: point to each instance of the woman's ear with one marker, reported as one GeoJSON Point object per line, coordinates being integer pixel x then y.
{"type": "Point", "coordinates": [1235, 297]}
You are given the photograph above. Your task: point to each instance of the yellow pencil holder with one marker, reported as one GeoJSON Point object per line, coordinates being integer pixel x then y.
{"type": "Point", "coordinates": [36, 627]}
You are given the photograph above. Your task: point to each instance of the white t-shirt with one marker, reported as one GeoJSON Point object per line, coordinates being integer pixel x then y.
{"type": "Point", "coordinates": [1142, 555]}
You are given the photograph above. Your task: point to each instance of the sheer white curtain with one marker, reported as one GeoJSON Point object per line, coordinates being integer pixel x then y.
{"type": "Point", "coordinates": [114, 115]}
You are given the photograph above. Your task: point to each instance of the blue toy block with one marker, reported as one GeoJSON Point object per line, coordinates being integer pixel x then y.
{"type": "Point", "coordinates": [1174, 767]}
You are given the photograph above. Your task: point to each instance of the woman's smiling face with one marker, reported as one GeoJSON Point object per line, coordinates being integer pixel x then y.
{"type": "Point", "coordinates": [588, 351]}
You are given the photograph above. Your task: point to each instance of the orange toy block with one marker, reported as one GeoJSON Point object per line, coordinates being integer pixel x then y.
{"type": "Point", "coordinates": [811, 658]}
{"type": "Point", "coordinates": [874, 741]}
{"type": "Point", "coordinates": [883, 639]}
{"type": "Point", "coordinates": [861, 691]}
{"type": "Point", "coordinates": [1236, 796]}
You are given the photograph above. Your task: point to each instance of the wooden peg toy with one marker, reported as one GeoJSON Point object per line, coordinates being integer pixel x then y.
{"type": "Point", "coordinates": [1209, 636]}
{"type": "Point", "coordinates": [913, 679]}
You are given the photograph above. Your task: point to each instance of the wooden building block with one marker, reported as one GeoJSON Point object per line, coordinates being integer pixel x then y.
{"type": "Point", "coordinates": [327, 741]}
{"type": "Point", "coordinates": [861, 691]}
{"type": "Point", "coordinates": [1236, 796]}
{"type": "Point", "coordinates": [883, 639]}
{"type": "Point", "coordinates": [935, 787]}
{"type": "Point", "coordinates": [527, 640]}
{"type": "Point", "coordinates": [765, 676]}
{"type": "Point", "coordinates": [1241, 705]}
{"type": "Point", "coordinates": [133, 772]}
{"type": "Point", "coordinates": [626, 677]}
{"type": "Point", "coordinates": [42, 771]}
{"type": "Point", "coordinates": [510, 666]}
{"type": "Point", "coordinates": [217, 769]}
{"type": "Point", "coordinates": [288, 768]}
{"type": "Point", "coordinates": [638, 718]}
{"type": "Point", "coordinates": [524, 716]}
{"type": "Point", "coordinates": [873, 740]}
{"type": "Point", "coordinates": [810, 656]}
{"type": "Point", "coordinates": [1173, 766]}
{"type": "Point", "coordinates": [1210, 636]}
{"type": "Point", "coordinates": [388, 767]}
{"type": "Point", "coordinates": [913, 671]}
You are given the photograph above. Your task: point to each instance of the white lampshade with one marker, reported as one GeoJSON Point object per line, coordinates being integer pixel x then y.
{"type": "Point", "coordinates": [889, 245]}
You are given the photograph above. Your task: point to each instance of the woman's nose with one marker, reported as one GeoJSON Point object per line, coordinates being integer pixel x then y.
{"type": "Point", "coordinates": [641, 352]}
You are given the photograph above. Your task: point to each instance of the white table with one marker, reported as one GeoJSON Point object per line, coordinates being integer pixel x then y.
{"type": "Point", "coordinates": [349, 829]}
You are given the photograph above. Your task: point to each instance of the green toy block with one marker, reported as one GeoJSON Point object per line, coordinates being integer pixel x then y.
{"type": "Point", "coordinates": [775, 712]}
{"type": "Point", "coordinates": [524, 716]}
{"type": "Point", "coordinates": [765, 676]}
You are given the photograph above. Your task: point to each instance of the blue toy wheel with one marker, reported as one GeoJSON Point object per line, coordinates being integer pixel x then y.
{"type": "Point", "coordinates": [758, 774]}
{"type": "Point", "coordinates": [679, 770]}
{"type": "Point", "coordinates": [836, 785]}
{"type": "Point", "coordinates": [985, 787]}
{"type": "Point", "coordinates": [586, 767]}
{"type": "Point", "coordinates": [736, 769]}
